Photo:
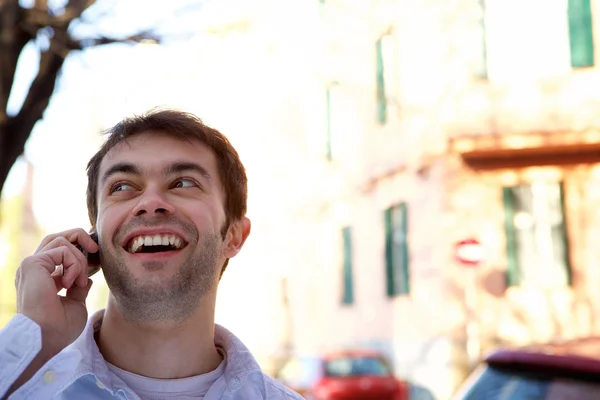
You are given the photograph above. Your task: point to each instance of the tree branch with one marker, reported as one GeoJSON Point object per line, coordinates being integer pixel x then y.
{"type": "Point", "coordinates": [80, 44]}
{"type": "Point", "coordinates": [19, 26]}
{"type": "Point", "coordinates": [35, 103]}
{"type": "Point", "coordinates": [40, 16]}
{"type": "Point", "coordinates": [12, 41]}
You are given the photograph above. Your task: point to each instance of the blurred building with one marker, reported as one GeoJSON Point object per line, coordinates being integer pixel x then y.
{"type": "Point", "coordinates": [408, 126]}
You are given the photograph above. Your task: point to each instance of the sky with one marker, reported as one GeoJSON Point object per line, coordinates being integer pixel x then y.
{"type": "Point", "coordinates": [99, 87]}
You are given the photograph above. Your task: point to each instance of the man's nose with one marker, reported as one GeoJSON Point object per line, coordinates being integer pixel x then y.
{"type": "Point", "coordinates": [153, 201]}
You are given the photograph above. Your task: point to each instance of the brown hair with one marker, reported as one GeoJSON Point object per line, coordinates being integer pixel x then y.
{"type": "Point", "coordinates": [184, 126]}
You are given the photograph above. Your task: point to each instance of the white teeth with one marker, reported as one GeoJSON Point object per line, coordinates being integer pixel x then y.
{"type": "Point", "coordinates": [136, 245]}
{"type": "Point", "coordinates": [154, 240]}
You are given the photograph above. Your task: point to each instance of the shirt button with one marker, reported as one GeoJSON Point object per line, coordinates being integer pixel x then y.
{"type": "Point", "coordinates": [99, 384]}
{"type": "Point", "coordinates": [49, 376]}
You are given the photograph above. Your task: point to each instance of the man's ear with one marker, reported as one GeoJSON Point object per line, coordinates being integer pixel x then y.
{"type": "Point", "coordinates": [236, 237]}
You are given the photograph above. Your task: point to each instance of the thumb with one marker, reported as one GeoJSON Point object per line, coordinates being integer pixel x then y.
{"type": "Point", "coordinates": [79, 293]}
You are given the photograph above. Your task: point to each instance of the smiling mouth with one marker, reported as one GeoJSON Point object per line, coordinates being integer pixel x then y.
{"type": "Point", "coordinates": [155, 243]}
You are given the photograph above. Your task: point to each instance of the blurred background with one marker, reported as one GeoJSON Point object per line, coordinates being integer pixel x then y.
{"type": "Point", "coordinates": [424, 176]}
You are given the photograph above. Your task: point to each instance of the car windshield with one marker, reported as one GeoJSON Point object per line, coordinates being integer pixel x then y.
{"type": "Point", "coordinates": [503, 384]}
{"type": "Point", "coordinates": [352, 366]}
{"type": "Point", "coordinates": [300, 372]}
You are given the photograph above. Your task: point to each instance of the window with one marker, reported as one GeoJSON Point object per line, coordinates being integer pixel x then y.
{"type": "Point", "coordinates": [581, 33]}
{"type": "Point", "coordinates": [536, 237]}
{"type": "Point", "coordinates": [300, 372]}
{"type": "Point", "coordinates": [328, 146]}
{"type": "Point", "coordinates": [396, 250]}
{"type": "Point", "coordinates": [336, 120]}
{"type": "Point", "coordinates": [386, 73]}
{"type": "Point", "coordinates": [523, 43]}
{"type": "Point", "coordinates": [482, 68]}
{"type": "Point", "coordinates": [348, 281]}
{"type": "Point", "coordinates": [344, 367]}
{"type": "Point", "coordinates": [528, 383]}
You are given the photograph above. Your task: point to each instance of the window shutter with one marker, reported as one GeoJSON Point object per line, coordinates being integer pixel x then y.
{"type": "Point", "coordinates": [512, 270]}
{"type": "Point", "coordinates": [564, 235]}
{"type": "Point", "coordinates": [348, 279]}
{"type": "Point", "coordinates": [389, 268]}
{"type": "Point", "coordinates": [581, 33]}
{"type": "Point", "coordinates": [396, 248]}
{"type": "Point", "coordinates": [381, 95]}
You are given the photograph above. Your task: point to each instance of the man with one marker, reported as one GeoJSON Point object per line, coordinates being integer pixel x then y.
{"type": "Point", "coordinates": [167, 199]}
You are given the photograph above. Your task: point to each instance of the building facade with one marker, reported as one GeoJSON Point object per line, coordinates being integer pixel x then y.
{"type": "Point", "coordinates": [442, 122]}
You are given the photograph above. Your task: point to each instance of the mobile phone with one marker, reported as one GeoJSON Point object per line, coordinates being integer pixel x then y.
{"type": "Point", "coordinates": [92, 258]}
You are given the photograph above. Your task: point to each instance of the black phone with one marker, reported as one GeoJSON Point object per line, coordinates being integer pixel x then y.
{"type": "Point", "coordinates": [92, 258]}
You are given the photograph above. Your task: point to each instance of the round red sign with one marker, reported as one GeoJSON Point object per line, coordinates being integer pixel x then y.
{"type": "Point", "coordinates": [469, 252]}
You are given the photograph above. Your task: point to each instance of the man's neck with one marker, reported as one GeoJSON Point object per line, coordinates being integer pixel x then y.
{"type": "Point", "coordinates": [165, 350]}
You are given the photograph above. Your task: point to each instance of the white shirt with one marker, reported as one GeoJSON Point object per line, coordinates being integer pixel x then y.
{"type": "Point", "coordinates": [80, 372]}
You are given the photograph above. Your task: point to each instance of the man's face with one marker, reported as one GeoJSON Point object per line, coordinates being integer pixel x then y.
{"type": "Point", "coordinates": [160, 217]}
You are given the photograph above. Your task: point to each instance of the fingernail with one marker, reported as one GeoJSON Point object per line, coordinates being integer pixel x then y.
{"type": "Point", "coordinates": [59, 271]}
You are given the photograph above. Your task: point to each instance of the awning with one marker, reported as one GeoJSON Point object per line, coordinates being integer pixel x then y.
{"type": "Point", "coordinates": [488, 152]}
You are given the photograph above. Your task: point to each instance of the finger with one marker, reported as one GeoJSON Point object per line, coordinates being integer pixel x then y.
{"type": "Point", "coordinates": [77, 236]}
{"type": "Point", "coordinates": [58, 272]}
{"type": "Point", "coordinates": [66, 257]}
{"type": "Point", "coordinates": [50, 238]}
{"type": "Point", "coordinates": [80, 293]}
{"type": "Point", "coordinates": [62, 241]}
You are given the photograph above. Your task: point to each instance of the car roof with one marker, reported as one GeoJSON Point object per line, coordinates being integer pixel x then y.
{"type": "Point", "coordinates": [352, 353]}
{"type": "Point", "coordinates": [579, 355]}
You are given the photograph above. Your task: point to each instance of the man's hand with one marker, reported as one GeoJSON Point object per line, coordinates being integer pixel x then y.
{"type": "Point", "coordinates": [38, 281]}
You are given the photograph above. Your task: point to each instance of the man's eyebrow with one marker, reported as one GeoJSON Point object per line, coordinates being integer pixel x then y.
{"type": "Point", "coordinates": [180, 167]}
{"type": "Point", "coordinates": [123, 167]}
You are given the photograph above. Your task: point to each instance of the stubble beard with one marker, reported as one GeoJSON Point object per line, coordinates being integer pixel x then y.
{"type": "Point", "coordinates": [143, 301]}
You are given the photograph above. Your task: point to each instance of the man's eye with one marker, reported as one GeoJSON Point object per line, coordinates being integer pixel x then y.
{"type": "Point", "coordinates": [121, 187]}
{"type": "Point", "coordinates": [185, 183]}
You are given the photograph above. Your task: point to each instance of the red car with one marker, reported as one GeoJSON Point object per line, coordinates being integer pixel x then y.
{"type": "Point", "coordinates": [565, 371]}
{"type": "Point", "coordinates": [344, 375]}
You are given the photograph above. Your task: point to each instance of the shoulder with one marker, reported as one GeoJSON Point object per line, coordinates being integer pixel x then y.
{"type": "Point", "coordinates": [279, 390]}
{"type": "Point", "coordinates": [258, 385]}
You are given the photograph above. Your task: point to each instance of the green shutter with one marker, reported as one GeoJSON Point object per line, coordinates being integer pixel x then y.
{"type": "Point", "coordinates": [396, 250]}
{"type": "Point", "coordinates": [581, 33]}
{"type": "Point", "coordinates": [404, 289]}
{"type": "Point", "coordinates": [512, 270]}
{"type": "Point", "coordinates": [389, 268]}
{"type": "Point", "coordinates": [564, 234]}
{"type": "Point", "coordinates": [381, 95]}
{"type": "Point", "coordinates": [329, 154]}
{"type": "Point", "coordinates": [348, 292]}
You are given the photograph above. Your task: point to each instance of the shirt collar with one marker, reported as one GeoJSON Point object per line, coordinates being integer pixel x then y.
{"type": "Point", "coordinates": [239, 359]}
